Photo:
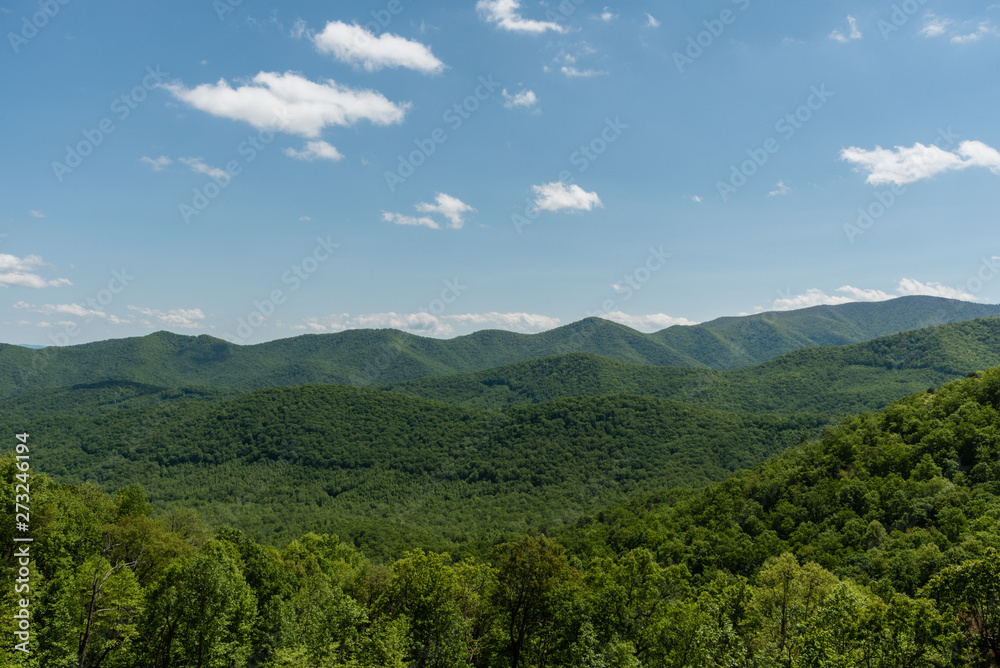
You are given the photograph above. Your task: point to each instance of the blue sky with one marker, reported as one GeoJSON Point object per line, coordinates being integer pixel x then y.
{"type": "Point", "coordinates": [256, 171]}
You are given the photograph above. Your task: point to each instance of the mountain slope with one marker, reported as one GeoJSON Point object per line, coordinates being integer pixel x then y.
{"type": "Point", "coordinates": [762, 337]}
{"type": "Point", "coordinates": [367, 357]}
{"type": "Point", "coordinates": [830, 380]}
{"type": "Point", "coordinates": [387, 470]}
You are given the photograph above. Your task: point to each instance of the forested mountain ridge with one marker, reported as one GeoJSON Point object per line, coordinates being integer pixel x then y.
{"type": "Point", "coordinates": [875, 546]}
{"type": "Point", "coordinates": [827, 380]}
{"type": "Point", "coordinates": [368, 357]}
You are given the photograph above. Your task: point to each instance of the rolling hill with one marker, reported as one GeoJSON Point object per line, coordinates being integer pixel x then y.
{"type": "Point", "coordinates": [828, 380]}
{"type": "Point", "coordinates": [370, 357]}
{"type": "Point", "coordinates": [391, 471]}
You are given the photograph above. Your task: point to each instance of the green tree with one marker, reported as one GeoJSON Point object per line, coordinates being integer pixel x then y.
{"type": "Point", "coordinates": [201, 612]}
{"type": "Point", "coordinates": [971, 591]}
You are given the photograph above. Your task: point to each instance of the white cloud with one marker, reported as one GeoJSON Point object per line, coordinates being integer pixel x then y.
{"type": "Point", "coordinates": [985, 29]}
{"type": "Point", "coordinates": [607, 15]}
{"type": "Point", "coordinates": [355, 45]}
{"type": "Point", "coordinates": [157, 164]}
{"type": "Point", "coordinates": [812, 297]}
{"type": "Point", "coordinates": [450, 207]}
{"type": "Point", "coordinates": [935, 25]}
{"type": "Point", "coordinates": [558, 196]}
{"type": "Point", "coordinates": [653, 322]}
{"type": "Point", "coordinates": [291, 103]}
{"type": "Point", "coordinates": [852, 35]}
{"type": "Point", "coordinates": [400, 219]}
{"type": "Point", "coordinates": [505, 13]}
{"type": "Point", "coordinates": [909, 286]}
{"type": "Point", "coordinates": [516, 322]}
{"type": "Point", "coordinates": [862, 295]}
{"type": "Point", "coordinates": [427, 324]}
{"type": "Point", "coordinates": [75, 310]}
{"type": "Point", "coordinates": [696, 199]}
{"type": "Point", "coordinates": [526, 98]}
{"type": "Point", "coordinates": [780, 188]}
{"type": "Point", "coordinates": [849, 294]}
{"type": "Point", "coordinates": [315, 150]}
{"type": "Point", "coordinates": [299, 29]}
{"type": "Point", "coordinates": [23, 272]}
{"type": "Point", "coordinates": [907, 165]}
{"type": "Point", "coordinates": [199, 166]}
{"type": "Point", "coordinates": [305, 218]}
{"type": "Point", "coordinates": [573, 72]}
{"type": "Point", "coordinates": [182, 318]}
{"type": "Point", "coordinates": [35, 213]}
{"type": "Point", "coordinates": [651, 21]}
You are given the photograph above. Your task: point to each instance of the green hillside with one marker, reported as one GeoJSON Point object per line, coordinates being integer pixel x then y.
{"type": "Point", "coordinates": [390, 470]}
{"type": "Point", "coordinates": [829, 380]}
{"type": "Point", "coordinates": [759, 338]}
{"type": "Point", "coordinates": [370, 357]}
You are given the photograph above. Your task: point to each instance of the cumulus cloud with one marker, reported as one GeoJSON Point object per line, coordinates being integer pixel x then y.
{"type": "Point", "coordinates": [853, 34]}
{"type": "Point", "coordinates": [985, 29]}
{"type": "Point", "coordinates": [780, 188]}
{"type": "Point", "coordinates": [903, 165]}
{"type": "Point", "coordinates": [355, 45]}
{"type": "Point", "coordinates": [23, 272]}
{"type": "Point", "coordinates": [935, 26]}
{"type": "Point", "coordinates": [909, 286]}
{"type": "Point", "coordinates": [573, 72]}
{"type": "Point", "coordinates": [291, 103]}
{"type": "Point", "coordinates": [506, 14]}
{"type": "Point", "coordinates": [607, 15]}
{"type": "Point", "coordinates": [653, 322]}
{"type": "Point", "coordinates": [848, 294]}
{"type": "Point", "coordinates": [525, 98]}
{"type": "Point", "coordinates": [515, 322]}
{"type": "Point", "coordinates": [427, 324]}
{"type": "Point", "coordinates": [156, 164]}
{"type": "Point", "coordinates": [181, 318]}
{"type": "Point", "coordinates": [198, 165]}
{"type": "Point", "coordinates": [450, 207]}
{"type": "Point", "coordinates": [400, 219]}
{"type": "Point", "coordinates": [315, 150]}
{"type": "Point", "coordinates": [558, 196]}
{"type": "Point", "coordinates": [75, 310]}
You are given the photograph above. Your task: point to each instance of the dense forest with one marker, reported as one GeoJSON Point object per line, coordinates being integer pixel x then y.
{"type": "Point", "coordinates": [393, 471]}
{"type": "Point", "coordinates": [873, 545]}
